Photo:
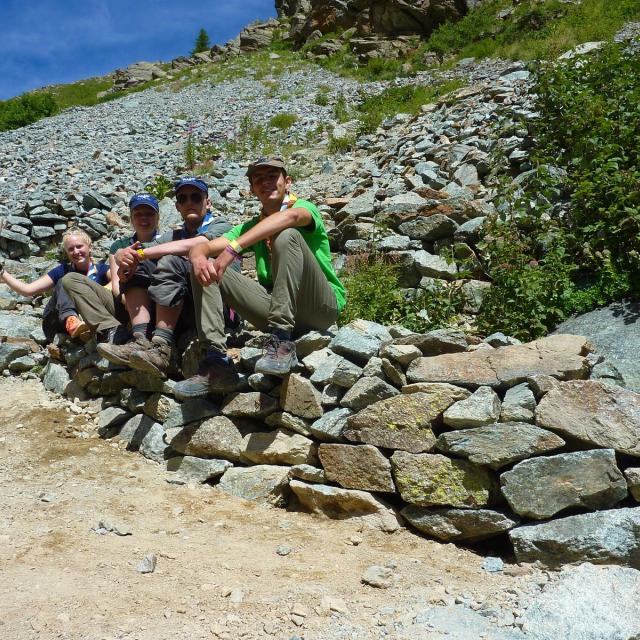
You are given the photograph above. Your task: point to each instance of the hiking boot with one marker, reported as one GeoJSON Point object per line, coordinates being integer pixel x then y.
{"type": "Point", "coordinates": [115, 335]}
{"type": "Point", "coordinates": [278, 358]}
{"type": "Point", "coordinates": [120, 353]}
{"type": "Point", "coordinates": [216, 374]}
{"type": "Point", "coordinates": [76, 328]}
{"type": "Point", "coordinates": [154, 360]}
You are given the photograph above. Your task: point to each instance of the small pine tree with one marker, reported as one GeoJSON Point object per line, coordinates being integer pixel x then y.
{"type": "Point", "coordinates": [202, 42]}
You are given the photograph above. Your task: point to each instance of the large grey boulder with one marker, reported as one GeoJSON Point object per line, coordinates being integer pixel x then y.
{"type": "Point", "coordinates": [10, 351]}
{"type": "Point", "coordinates": [143, 434]}
{"type": "Point", "coordinates": [594, 412]}
{"type": "Point", "coordinates": [603, 537]}
{"type": "Point", "coordinates": [614, 332]}
{"type": "Point", "coordinates": [459, 524]}
{"type": "Point", "coordinates": [356, 467]}
{"type": "Point", "coordinates": [497, 445]}
{"type": "Point", "coordinates": [401, 422]}
{"type": "Point", "coordinates": [586, 603]}
{"type": "Point", "coordinates": [541, 487]}
{"type": "Point", "coordinates": [426, 479]}
{"type": "Point", "coordinates": [562, 356]}
{"type": "Point", "coordinates": [346, 504]}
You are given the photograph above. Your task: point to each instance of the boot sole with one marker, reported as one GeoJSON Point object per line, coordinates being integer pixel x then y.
{"type": "Point", "coordinates": [112, 358]}
{"type": "Point", "coordinates": [280, 374]}
{"type": "Point", "coordinates": [140, 364]}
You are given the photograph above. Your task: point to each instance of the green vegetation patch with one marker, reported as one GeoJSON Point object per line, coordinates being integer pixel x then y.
{"type": "Point", "coordinates": [407, 99]}
{"type": "Point", "coordinates": [25, 109]}
{"type": "Point", "coordinates": [531, 30]}
{"type": "Point", "coordinates": [569, 241]}
{"type": "Point", "coordinates": [374, 292]}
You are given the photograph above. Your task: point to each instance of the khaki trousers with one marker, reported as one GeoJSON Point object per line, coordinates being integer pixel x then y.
{"type": "Point", "coordinates": [301, 298]}
{"type": "Point", "coordinates": [94, 303]}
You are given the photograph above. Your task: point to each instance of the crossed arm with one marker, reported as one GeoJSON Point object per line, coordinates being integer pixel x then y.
{"type": "Point", "coordinates": [127, 259]}
{"type": "Point", "coordinates": [207, 271]}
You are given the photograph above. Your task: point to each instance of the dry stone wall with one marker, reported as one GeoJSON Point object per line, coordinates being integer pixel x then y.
{"type": "Point", "coordinates": [462, 443]}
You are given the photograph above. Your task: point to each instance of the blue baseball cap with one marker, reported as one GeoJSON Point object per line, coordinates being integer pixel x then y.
{"type": "Point", "coordinates": [194, 182]}
{"type": "Point", "coordinates": [144, 198]}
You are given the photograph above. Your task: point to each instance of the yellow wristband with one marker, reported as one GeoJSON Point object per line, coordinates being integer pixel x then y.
{"type": "Point", "coordinates": [140, 252]}
{"type": "Point", "coordinates": [235, 246]}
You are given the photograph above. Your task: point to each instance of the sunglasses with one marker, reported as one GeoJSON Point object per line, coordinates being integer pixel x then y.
{"type": "Point", "coordinates": [195, 197]}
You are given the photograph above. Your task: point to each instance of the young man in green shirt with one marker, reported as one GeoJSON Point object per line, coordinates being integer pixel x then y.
{"type": "Point", "coordinates": [297, 288]}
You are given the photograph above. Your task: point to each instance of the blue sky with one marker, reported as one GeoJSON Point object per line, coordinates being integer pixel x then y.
{"type": "Point", "coordinates": [57, 41]}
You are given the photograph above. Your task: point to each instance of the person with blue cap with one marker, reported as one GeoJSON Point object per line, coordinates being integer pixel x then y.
{"type": "Point", "coordinates": [104, 310]}
{"type": "Point", "coordinates": [170, 285]}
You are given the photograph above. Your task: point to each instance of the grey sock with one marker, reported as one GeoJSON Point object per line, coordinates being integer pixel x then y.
{"type": "Point", "coordinates": [141, 328]}
{"type": "Point", "coordinates": [163, 334]}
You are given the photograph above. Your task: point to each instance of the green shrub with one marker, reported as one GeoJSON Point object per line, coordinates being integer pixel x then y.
{"type": "Point", "coordinates": [322, 99]}
{"type": "Point", "coordinates": [340, 145]}
{"type": "Point", "coordinates": [283, 121]}
{"type": "Point", "coordinates": [374, 293]}
{"type": "Point", "coordinates": [340, 109]}
{"type": "Point", "coordinates": [25, 109]}
{"type": "Point", "coordinates": [159, 187]}
{"type": "Point", "coordinates": [546, 261]}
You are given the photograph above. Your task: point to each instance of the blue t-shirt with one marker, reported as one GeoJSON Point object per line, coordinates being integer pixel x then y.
{"type": "Point", "coordinates": [97, 272]}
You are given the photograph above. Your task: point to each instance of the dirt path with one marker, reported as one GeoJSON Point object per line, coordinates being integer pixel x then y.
{"type": "Point", "coordinates": [218, 573]}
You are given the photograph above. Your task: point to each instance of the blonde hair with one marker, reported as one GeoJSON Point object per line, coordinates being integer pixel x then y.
{"type": "Point", "coordinates": [76, 231]}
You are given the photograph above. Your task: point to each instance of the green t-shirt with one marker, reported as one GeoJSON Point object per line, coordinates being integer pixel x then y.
{"type": "Point", "coordinates": [316, 240]}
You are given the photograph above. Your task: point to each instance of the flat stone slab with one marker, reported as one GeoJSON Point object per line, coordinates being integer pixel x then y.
{"type": "Point", "coordinates": [360, 340]}
{"type": "Point", "coordinates": [367, 391]}
{"type": "Point", "coordinates": [603, 537]}
{"type": "Point", "coordinates": [497, 445]}
{"type": "Point", "coordinates": [459, 524]}
{"type": "Point", "coordinates": [480, 408]}
{"type": "Point", "coordinates": [356, 467]}
{"type": "Point", "coordinates": [561, 356]}
{"type": "Point", "coordinates": [331, 426]}
{"type": "Point", "coordinates": [217, 437]}
{"type": "Point", "coordinates": [279, 447]}
{"type": "Point", "coordinates": [185, 469]}
{"type": "Point", "coordinates": [299, 397]}
{"type": "Point", "coordinates": [426, 480]}
{"type": "Point", "coordinates": [541, 487]}
{"type": "Point", "coordinates": [594, 412]}
{"type": "Point", "coordinates": [586, 603]}
{"type": "Point", "coordinates": [346, 504]}
{"type": "Point", "coordinates": [519, 404]}
{"type": "Point", "coordinates": [190, 411]}
{"type": "Point", "coordinates": [254, 405]}
{"type": "Point", "coordinates": [402, 422]}
{"type": "Point", "coordinates": [267, 484]}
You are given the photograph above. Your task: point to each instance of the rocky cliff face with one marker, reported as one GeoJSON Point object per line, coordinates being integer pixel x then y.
{"type": "Point", "coordinates": [384, 17]}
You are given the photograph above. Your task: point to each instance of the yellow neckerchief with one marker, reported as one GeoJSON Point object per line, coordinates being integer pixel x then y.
{"type": "Point", "coordinates": [288, 202]}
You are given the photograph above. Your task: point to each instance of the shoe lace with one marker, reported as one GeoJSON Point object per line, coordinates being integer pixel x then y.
{"type": "Point", "coordinates": [270, 346]}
